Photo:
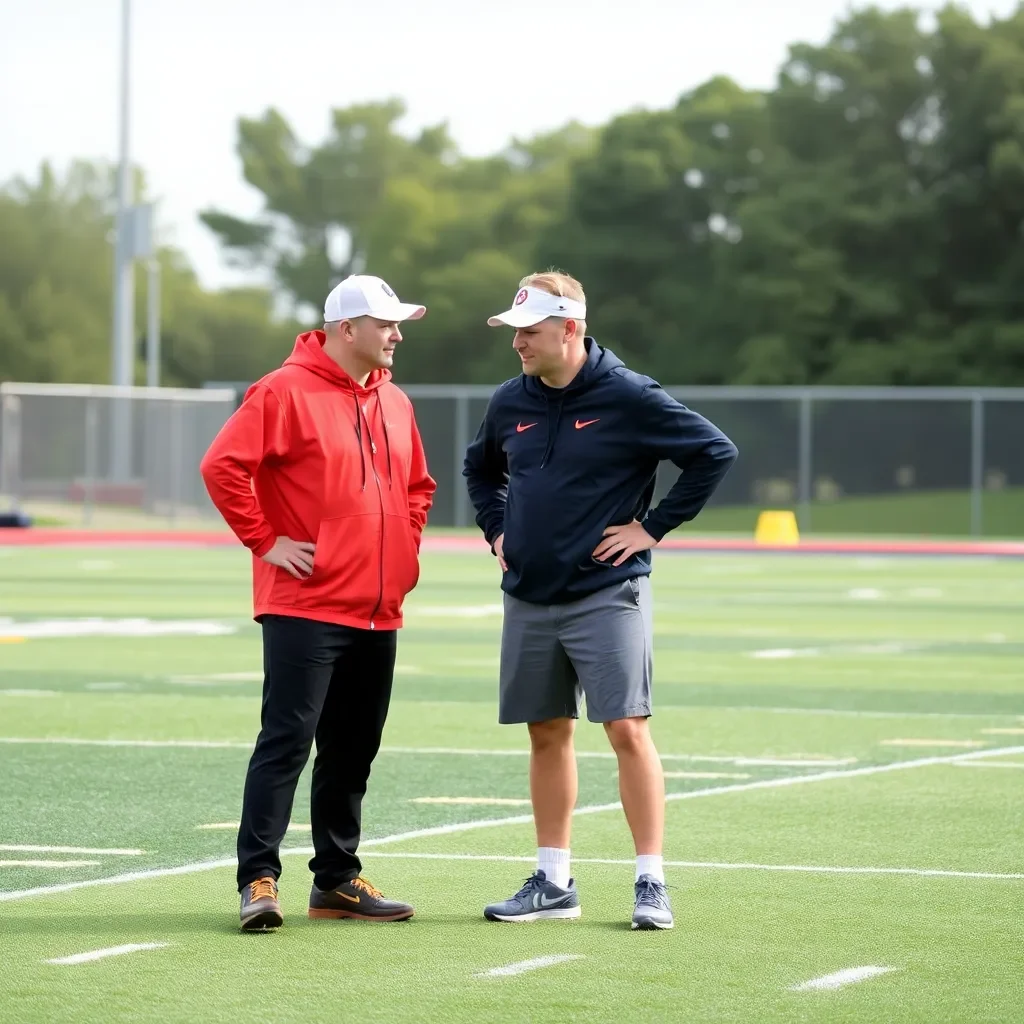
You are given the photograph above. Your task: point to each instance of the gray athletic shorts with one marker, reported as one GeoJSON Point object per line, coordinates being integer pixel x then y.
{"type": "Point", "coordinates": [600, 646]}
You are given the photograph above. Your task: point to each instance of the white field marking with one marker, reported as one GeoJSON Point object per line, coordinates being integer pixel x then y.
{"type": "Point", "coordinates": [701, 865]}
{"type": "Point", "coordinates": [102, 954]}
{"type": "Point", "coordinates": [796, 761]}
{"type": "Point", "coordinates": [865, 594]}
{"type": "Point", "coordinates": [996, 638]}
{"type": "Point", "coordinates": [843, 712]}
{"type": "Point", "coordinates": [707, 775]}
{"type": "Point", "coordinates": [518, 819]}
{"type": "Point", "coordinates": [892, 647]}
{"type": "Point", "coordinates": [49, 629]}
{"type": "Point", "coordinates": [184, 744]}
{"type": "Point", "coordinates": [496, 801]}
{"type": "Point", "coordinates": [11, 848]}
{"type": "Point", "coordinates": [95, 564]}
{"type": "Point", "coordinates": [473, 611]}
{"type": "Point", "coordinates": [919, 742]}
{"type": "Point", "coordinates": [779, 653]}
{"type": "Point", "coordinates": [220, 677]}
{"type": "Point", "coordinates": [1003, 732]}
{"type": "Point", "coordinates": [29, 693]}
{"type": "Point", "coordinates": [50, 863]}
{"type": "Point", "coordinates": [840, 978]}
{"type": "Point", "coordinates": [408, 670]}
{"type": "Point", "coordinates": [529, 965]}
{"type": "Point", "coordinates": [991, 764]}
{"type": "Point", "coordinates": [231, 826]}
{"type": "Point", "coordinates": [106, 687]}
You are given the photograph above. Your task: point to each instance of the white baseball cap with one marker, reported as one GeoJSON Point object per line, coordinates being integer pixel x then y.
{"type": "Point", "coordinates": [532, 305]}
{"type": "Point", "coordinates": [362, 295]}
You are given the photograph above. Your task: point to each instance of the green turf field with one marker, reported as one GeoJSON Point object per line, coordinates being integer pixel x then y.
{"type": "Point", "coordinates": [844, 739]}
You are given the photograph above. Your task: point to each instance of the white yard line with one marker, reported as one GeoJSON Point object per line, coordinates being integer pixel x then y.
{"type": "Point", "coordinates": [78, 742]}
{"type": "Point", "coordinates": [231, 826]}
{"type": "Point", "coordinates": [918, 742]}
{"type": "Point", "coordinates": [102, 954]}
{"type": "Point", "coordinates": [833, 981]}
{"type": "Point", "coordinates": [50, 863]}
{"type": "Point", "coordinates": [603, 755]}
{"type": "Point", "coordinates": [702, 865]}
{"type": "Point", "coordinates": [529, 965]}
{"type": "Point", "coordinates": [991, 764]}
{"type": "Point", "coordinates": [17, 848]}
{"type": "Point", "coordinates": [493, 801]}
{"type": "Point", "coordinates": [518, 819]}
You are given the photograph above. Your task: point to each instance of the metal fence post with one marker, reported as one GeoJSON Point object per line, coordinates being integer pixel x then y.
{"type": "Point", "coordinates": [176, 457]}
{"type": "Point", "coordinates": [92, 420]}
{"type": "Point", "coordinates": [10, 450]}
{"type": "Point", "coordinates": [977, 464]}
{"type": "Point", "coordinates": [804, 472]}
{"type": "Point", "coordinates": [460, 517]}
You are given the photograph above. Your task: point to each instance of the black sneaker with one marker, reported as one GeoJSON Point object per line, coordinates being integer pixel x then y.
{"type": "Point", "coordinates": [653, 909]}
{"type": "Point", "coordinates": [260, 910]}
{"type": "Point", "coordinates": [356, 899]}
{"type": "Point", "coordinates": [538, 900]}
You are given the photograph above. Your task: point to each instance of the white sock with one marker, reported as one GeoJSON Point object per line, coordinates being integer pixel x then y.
{"type": "Point", "coordinates": [555, 865]}
{"type": "Point", "coordinates": [650, 864]}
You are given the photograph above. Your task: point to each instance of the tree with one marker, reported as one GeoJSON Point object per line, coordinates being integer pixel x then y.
{"type": "Point", "coordinates": [56, 271]}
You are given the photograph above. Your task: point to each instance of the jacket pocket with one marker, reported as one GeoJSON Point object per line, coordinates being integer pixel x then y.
{"type": "Point", "coordinates": [346, 577]}
{"type": "Point", "coordinates": [401, 564]}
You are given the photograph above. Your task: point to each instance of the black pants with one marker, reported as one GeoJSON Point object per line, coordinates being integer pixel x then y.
{"type": "Point", "coordinates": [331, 683]}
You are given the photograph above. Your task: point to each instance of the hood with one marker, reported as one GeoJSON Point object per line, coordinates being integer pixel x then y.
{"type": "Point", "coordinates": [309, 353]}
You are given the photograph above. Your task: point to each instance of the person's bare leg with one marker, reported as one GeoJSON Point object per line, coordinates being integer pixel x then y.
{"type": "Point", "coordinates": [553, 780]}
{"type": "Point", "coordinates": [641, 783]}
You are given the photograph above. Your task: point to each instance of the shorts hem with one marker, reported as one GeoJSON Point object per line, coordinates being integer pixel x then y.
{"type": "Point", "coordinates": [634, 711]}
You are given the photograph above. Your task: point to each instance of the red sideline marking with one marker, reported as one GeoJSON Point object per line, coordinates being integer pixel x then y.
{"type": "Point", "coordinates": [454, 543]}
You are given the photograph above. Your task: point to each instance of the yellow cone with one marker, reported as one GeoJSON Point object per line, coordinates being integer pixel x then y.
{"type": "Point", "coordinates": [777, 528]}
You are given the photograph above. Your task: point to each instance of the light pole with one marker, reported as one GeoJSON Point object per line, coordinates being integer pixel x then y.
{"type": "Point", "coordinates": [123, 330]}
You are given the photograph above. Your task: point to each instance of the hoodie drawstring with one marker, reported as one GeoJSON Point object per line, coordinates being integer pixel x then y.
{"type": "Point", "coordinates": [369, 435]}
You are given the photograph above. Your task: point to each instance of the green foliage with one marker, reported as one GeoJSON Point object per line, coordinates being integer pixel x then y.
{"type": "Point", "coordinates": [859, 223]}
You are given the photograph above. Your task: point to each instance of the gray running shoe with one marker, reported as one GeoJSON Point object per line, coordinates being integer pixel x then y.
{"type": "Point", "coordinates": [538, 900]}
{"type": "Point", "coordinates": [653, 909]}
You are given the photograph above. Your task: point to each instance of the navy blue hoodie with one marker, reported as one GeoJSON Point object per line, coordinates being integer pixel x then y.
{"type": "Point", "coordinates": [552, 468]}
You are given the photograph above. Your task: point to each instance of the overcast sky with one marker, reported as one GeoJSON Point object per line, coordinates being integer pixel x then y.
{"type": "Point", "coordinates": [493, 70]}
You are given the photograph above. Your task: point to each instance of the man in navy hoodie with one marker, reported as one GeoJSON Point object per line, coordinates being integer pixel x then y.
{"type": "Point", "coordinates": [562, 475]}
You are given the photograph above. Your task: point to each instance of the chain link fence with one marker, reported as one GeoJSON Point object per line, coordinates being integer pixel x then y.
{"type": "Point", "coordinates": [847, 460]}
{"type": "Point", "coordinates": [937, 461]}
{"type": "Point", "coordinates": [87, 446]}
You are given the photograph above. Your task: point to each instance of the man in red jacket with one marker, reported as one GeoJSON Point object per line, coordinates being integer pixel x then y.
{"type": "Point", "coordinates": [321, 474]}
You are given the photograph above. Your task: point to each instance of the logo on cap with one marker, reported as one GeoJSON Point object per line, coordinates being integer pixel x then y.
{"type": "Point", "coordinates": [521, 297]}
{"type": "Point", "coordinates": [387, 291]}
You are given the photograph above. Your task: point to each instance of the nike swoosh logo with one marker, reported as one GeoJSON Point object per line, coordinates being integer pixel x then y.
{"type": "Point", "coordinates": [520, 427]}
{"type": "Point", "coordinates": [351, 899]}
{"type": "Point", "coordinates": [587, 423]}
{"type": "Point", "coordinates": [540, 900]}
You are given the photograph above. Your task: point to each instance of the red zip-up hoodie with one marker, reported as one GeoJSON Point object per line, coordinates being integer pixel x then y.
{"type": "Point", "coordinates": [312, 455]}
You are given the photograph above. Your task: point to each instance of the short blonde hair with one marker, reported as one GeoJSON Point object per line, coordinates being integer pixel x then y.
{"type": "Point", "coordinates": [558, 282]}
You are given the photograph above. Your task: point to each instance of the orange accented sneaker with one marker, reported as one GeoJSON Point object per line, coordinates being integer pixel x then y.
{"type": "Point", "coordinates": [356, 899]}
{"type": "Point", "coordinates": [260, 909]}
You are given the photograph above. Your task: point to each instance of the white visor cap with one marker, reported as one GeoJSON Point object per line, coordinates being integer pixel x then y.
{"type": "Point", "coordinates": [532, 305]}
{"type": "Point", "coordinates": [362, 295]}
